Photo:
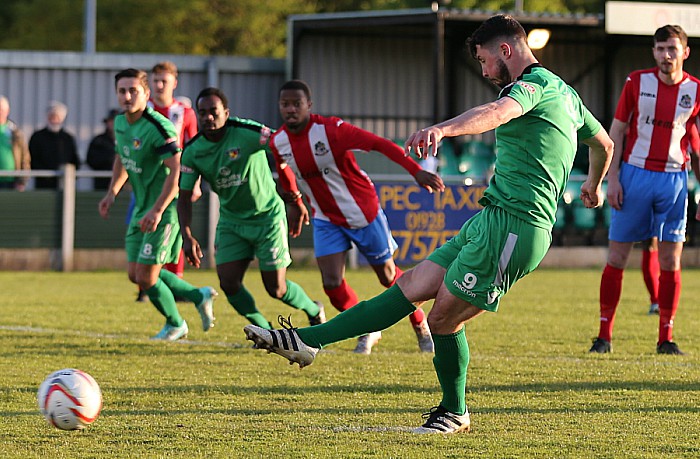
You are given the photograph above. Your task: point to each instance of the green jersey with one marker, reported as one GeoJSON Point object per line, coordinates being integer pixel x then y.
{"type": "Point", "coordinates": [237, 169]}
{"type": "Point", "coordinates": [535, 152]}
{"type": "Point", "coordinates": [7, 157]}
{"type": "Point", "coordinates": [142, 148]}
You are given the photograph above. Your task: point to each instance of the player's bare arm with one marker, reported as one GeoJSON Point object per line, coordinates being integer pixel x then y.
{"type": "Point", "coordinates": [615, 191]}
{"type": "Point", "coordinates": [119, 178]}
{"type": "Point", "coordinates": [297, 217]}
{"type": "Point", "coordinates": [600, 155]}
{"type": "Point", "coordinates": [474, 121]}
{"type": "Point", "coordinates": [150, 221]}
{"type": "Point", "coordinates": [429, 181]}
{"type": "Point", "coordinates": [190, 245]}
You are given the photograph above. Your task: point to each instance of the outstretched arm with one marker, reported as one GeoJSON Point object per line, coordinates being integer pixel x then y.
{"type": "Point", "coordinates": [474, 121]}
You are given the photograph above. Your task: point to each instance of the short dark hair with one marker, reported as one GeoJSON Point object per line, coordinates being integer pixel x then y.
{"type": "Point", "coordinates": [671, 31]}
{"type": "Point", "coordinates": [132, 73]}
{"type": "Point", "coordinates": [297, 85]}
{"type": "Point", "coordinates": [206, 92]}
{"type": "Point", "coordinates": [501, 25]}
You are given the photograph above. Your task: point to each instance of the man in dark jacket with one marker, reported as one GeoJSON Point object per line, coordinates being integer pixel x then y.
{"type": "Point", "coordinates": [52, 147]}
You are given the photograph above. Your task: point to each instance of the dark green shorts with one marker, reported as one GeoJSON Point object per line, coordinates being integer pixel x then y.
{"type": "Point", "coordinates": [268, 242]}
{"type": "Point", "coordinates": [490, 253]}
{"type": "Point", "coordinates": [156, 248]}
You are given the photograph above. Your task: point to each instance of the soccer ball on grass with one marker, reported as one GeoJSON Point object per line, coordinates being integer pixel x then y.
{"type": "Point", "coordinates": [69, 399]}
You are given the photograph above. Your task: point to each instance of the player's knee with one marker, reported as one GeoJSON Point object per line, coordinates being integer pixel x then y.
{"type": "Point", "coordinates": [276, 291]}
{"type": "Point", "coordinates": [230, 288]}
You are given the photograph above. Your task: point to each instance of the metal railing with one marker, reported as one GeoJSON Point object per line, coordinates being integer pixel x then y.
{"type": "Point", "coordinates": [67, 185]}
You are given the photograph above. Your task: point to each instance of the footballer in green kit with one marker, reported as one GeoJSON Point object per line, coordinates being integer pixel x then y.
{"type": "Point", "coordinates": [538, 120]}
{"type": "Point", "coordinates": [230, 154]}
{"type": "Point", "coordinates": [148, 156]}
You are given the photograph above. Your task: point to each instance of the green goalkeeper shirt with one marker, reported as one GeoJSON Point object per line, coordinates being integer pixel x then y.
{"type": "Point", "coordinates": [237, 169]}
{"type": "Point", "coordinates": [535, 152]}
{"type": "Point", "coordinates": [142, 148]}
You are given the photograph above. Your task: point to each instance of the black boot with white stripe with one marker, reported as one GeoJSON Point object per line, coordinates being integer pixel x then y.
{"type": "Point", "coordinates": [441, 421]}
{"type": "Point", "coordinates": [285, 342]}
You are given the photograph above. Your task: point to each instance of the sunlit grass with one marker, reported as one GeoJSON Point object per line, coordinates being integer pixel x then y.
{"type": "Point", "coordinates": [533, 389]}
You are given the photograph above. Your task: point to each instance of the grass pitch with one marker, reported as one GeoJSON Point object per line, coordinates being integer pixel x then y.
{"type": "Point", "coordinates": [533, 389]}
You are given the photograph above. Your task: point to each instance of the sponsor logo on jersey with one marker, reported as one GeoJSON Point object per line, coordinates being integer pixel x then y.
{"type": "Point", "coordinates": [528, 87]}
{"type": "Point", "coordinates": [320, 149]}
{"type": "Point", "coordinates": [136, 143]}
{"type": "Point", "coordinates": [233, 153]}
{"type": "Point", "coordinates": [647, 94]}
{"type": "Point", "coordinates": [227, 179]}
{"type": "Point", "coordinates": [313, 174]}
{"type": "Point", "coordinates": [186, 169]}
{"type": "Point", "coordinates": [686, 101]}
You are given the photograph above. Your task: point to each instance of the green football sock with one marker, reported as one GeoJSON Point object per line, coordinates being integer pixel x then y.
{"type": "Point", "coordinates": [243, 302]}
{"type": "Point", "coordinates": [164, 301]}
{"type": "Point", "coordinates": [451, 361]}
{"type": "Point", "coordinates": [378, 313]}
{"type": "Point", "coordinates": [297, 298]}
{"type": "Point", "coordinates": [180, 287]}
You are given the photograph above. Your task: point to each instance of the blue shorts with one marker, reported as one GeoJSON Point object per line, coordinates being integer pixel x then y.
{"type": "Point", "coordinates": [374, 241]}
{"type": "Point", "coordinates": [653, 204]}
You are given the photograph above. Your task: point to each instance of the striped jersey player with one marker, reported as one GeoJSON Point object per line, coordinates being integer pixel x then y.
{"type": "Point", "coordinates": [344, 204]}
{"type": "Point", "coordinates": [647, 182]}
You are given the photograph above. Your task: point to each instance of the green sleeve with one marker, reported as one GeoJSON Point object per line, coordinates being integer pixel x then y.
{"type": "Point", "coordinates": [188, 174]}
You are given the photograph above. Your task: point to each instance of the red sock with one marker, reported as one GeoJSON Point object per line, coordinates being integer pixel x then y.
{"type": "Point", "coordinates": [651, 273]}
{"type": "Point", "coordinates": [398, 274]}
{"type": "Point", "coordinates": [342, 297]}
{"type": "Point", "coordinates": [669, 293]}
{"type": "Point", "coordinates": [416, 317]}
{"type": "Point", "coordinates": [177, 268]}
{"type": "Point", "coordinates": [610, 290]}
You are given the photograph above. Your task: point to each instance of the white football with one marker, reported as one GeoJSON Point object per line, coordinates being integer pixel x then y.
{"type": "Point", "coordinates": [69, 399]}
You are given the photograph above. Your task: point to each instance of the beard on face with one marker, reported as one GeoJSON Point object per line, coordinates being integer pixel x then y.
{"type": "Point", "coordinates": [502, 77]}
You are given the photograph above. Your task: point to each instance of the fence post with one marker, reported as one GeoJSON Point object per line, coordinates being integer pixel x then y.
{"type": "Point", "coordinates": [68, 228]}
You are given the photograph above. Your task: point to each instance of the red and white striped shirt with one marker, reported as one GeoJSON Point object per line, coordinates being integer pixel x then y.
{"type": "Point", "coordinates": [325, 167]}
{"type": "Point", "coordinates": [184, 119]}
{"type": "Point", "coordinates": [659, 118]}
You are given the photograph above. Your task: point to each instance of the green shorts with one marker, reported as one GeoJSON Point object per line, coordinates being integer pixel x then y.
{"type": "Point", "coordinates": [490, 253]}
{"type": "Point", "coordinates": [268, 242]}
{"type": "Point", "coordinates": [156, 248]}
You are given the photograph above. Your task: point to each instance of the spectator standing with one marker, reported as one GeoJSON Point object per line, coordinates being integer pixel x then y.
{"type": "Point", "coordinates": [14, 155]}
{"type": "Point", "coordinates": [100, 154]}
{"type": "Point", "coordinates": [52, 147]}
